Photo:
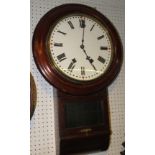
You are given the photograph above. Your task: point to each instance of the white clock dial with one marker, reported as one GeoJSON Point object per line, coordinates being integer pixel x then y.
{"type": "Point", "coordinates": [80, 47]}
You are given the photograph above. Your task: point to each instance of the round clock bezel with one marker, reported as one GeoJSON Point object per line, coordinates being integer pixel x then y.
{"type": "Point", "coordinates": [80, 81]}
{"type": "Point", "coordinates": [50, 72]}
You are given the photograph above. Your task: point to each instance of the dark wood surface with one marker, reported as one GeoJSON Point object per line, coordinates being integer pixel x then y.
{"type": "Point", "coordinates": [83, 138]}
{"type": "Point", "coordinates": [51, 74]}
{"type": "Point", "coordinates": [99, 142]}
{"type": "Point", "coordinates": [33, 95]}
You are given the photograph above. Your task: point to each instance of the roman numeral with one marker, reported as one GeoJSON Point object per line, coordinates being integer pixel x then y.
{"type": "Point", "coordinates": [103, 48]}
{"type": "Point", "coordinates": [82, 23]}
{"type": "Point", "coordinates": [92, 27]}
{"type": "Point", "coordinates": [58, 44]}
{"type": "Point", "coordinates": [62, 32]}
{"type": "Point", "coordinates": [100, 37]}
{"type": "Point", "coordinates": [82, 70]}
{"type": "Point", "coordinates": [102, 60]}
{"type": "Point", "coordinates": [72, 65]}
{"type": "Point", "coordinates": [61, 57]}
{"type": "Point", "coordinates": [71, 25]}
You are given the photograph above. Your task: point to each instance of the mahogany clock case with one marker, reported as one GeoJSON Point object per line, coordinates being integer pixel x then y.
{"type": "Point", "coordinates": [50, 72]}
{"type": "Point", "coordinates": [84, 123]}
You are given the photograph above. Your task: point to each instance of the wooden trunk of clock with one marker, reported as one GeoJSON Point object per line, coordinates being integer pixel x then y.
{"type": "Point", "coordinates": [83, 122]}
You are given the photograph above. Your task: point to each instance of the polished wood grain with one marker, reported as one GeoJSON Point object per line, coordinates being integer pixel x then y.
{"type": "Point", "coordinates": [33, 95]}
{"type": "Point", "coordinates": [88, 137]}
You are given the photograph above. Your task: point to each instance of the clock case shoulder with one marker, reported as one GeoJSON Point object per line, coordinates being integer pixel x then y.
{"type": "Point", "coordinates": [50, 72]}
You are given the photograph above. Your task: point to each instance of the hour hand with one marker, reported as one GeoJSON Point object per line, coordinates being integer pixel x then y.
{"type": "Point", "coordinates": [89, 58]}
{"type": "Point", "coordinates": [91, 62]}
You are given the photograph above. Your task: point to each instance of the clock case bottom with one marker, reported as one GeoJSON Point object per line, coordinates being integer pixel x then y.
{"type": "Point", "coordinates": [75, 138]}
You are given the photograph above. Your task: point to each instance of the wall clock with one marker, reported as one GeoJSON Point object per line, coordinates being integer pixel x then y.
{"type": "Point", "coordinates": [79, 52]}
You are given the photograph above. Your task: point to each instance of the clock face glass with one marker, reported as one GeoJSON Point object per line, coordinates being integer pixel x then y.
{"type": "Point", "coordinates": [80, 47]}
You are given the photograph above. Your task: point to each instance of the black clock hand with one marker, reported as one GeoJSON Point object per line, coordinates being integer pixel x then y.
{"type": "Point", "coordinates": [83, 38]}
{"type": "Point", "coordinates": [89, 59]}
{"type": "Point", "coordinates": [82, 25]}
{"type": "Point", "coordinates": [92, 64]}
